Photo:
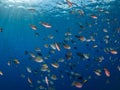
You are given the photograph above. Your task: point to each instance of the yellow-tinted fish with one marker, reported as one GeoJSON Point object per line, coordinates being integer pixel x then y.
{"type": "Point", "coordinates": [16, 61]}
{"type": "Point", "coordinates": [1, 73]}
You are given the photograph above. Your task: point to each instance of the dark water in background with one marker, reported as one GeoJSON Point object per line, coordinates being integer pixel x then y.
{"type": "Point", "coordinates": [18, 37]}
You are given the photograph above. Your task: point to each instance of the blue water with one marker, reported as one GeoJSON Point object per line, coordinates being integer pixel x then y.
{"type": "Point", "coordinates": [18, 40]}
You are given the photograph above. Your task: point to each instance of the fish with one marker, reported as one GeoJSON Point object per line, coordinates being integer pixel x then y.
{"type": "Point", "coordinates": [113, 52]}
{"type": "Point", "coordinates": [82, 55]}
{"type": "Point", "coordinates": [46, 25]}
{"type": "Point", "coordinates": [55, 65]}
{"type": "Point", "coordinates": [37, 49]}
{"type": "Point", "coordinates": [118, 67]}
{"type": "Point", "coordinates": [1, 29]}
{"type": "Point", "coordinates": [29, 69]}
{"type": "Point", "coordinates": [53, 46]}
{"type": "Point", "coordinates": [50, 36]}
{"type": "Point", "coordinates": [98, 72]}
{"type": "Point", "coordinates": [46, 80]}
{"type": "Point", "coordinates": [38, 59]}
{"type": "Point", "coordinates": [100, 59]}
{"type": "Point", "coordinates": [41, 87]}
{"type": "Point", "coordinates": [81, 12]}
{"type": "Point", "coordinates": [53, 77]}
{"type": "Point", "coordinates": [77, 84]}
{"type": "Point", "coordinates": [44, 67]}
{"type": "Point", "coordinates": [86, 56]}
{"type": "Point", "coordinates": [81, 38]}
{"type": "Point", "coordinates": [16, 61]}
{"type": "Point", "coordinates": [32, 9]}
{"type": "Point", "coordinates": [1, 73]}
{"type": "Point", "coordinates": [32, 55]}
{"type": "Point", "coordinates": [33, 27]}
{"type": "Point", "coordinates": [46, 45]}
{"type": "Point", "coordinates": [93, 16]}
{"type": "Point", "coordinates": [95, 46]}
{"type": "Point", "coordinates": [57, 46]}
{"type": "Point", "coordinates": [38, 81]}
{"type": "Point", "coordinates": [107, 72]}
{"type": "Point", "coordinates": [9, 63]}
{"type": "Point", "coordinates": [22, 75]}
{"type": "Point", "coordinates": [60, 60]}
{"type": "Point", "coordinates": [105, 30]}
{"type": "Point", "coordinates": [29, 80]}
{"type": "Point", "coordinates": [66, 46]}
{"type": "Point", "coordinates": [70, 4]}
{"type": "Point", "coordinates": [68, 55]}
{"type": "Point", "coordinates": [68, 34]}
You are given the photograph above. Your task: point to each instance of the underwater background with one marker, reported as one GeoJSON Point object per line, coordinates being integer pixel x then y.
{"type": "Point", "coordinates": [59, 44]}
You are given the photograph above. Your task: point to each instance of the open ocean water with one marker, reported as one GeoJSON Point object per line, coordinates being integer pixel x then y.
{"type": "Point", "coordinates": [59, 44]}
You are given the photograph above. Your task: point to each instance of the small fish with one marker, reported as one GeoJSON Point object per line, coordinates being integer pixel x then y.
{"type": "Point", "coordinates": [66, 46]}
{"type": "Point", "coordinates": [57, 46]}
{"type": "Point", "coordinates": [32, 55]}
{"type": "Point", "coordinates": [77, 84]}
{"type": "Point", "coordinates": [29, 70]}
{"type": "Point", "coordinates": [105, 30]}
{"type": "Point", "coordinates": [86, 56]}
{"type": "Point", "coordinates": [60, 60]}
{"type": "Point", "coordinates": [113, 52]}
{"type": "Point", "coordinates": [54, 77]}
{"type": "Point", "coordinates": [37, 49]}
{"type": "Point", "coordinates": [1, 73]}
{"type": "Point", "coordinates": [33, 27]}
{"type": "Point", "coordinates": [82, 55]}
{"type": "Point", "coordinates": [46, 80]}
{"type": "Point", "coordinates": [95, 46]}
{"type": "Point", "coordinates": [93, 16]}
{"type": "Point", "coordinates": [118, 67]}
{"type": "Point", "coordinates": [46, 45]}
{"type": "Point", "coordinates": [1, 30]}
{"type": "Point", "coordinates": [38, 59]}
{"type": "Point", "coordinates": [55, 65]}
{"type": "Point", "coordinates": [53, 46]}
{"type": "Point", "coordinates": [32, 9]}
{"type": "Point", "coordinates": [81, 12]}
{"type": "Point", "coordinates": [81, 38]}
{"type": "Point", "coordinates": [68, 55]}
{"type": "Point", "coordinates": [16, 61]}
{"type": "Point", "coordinates": [50, 36]}
{"type": "Point", "coordinates": [97, 72]}
{"type": "Point", "coordinates": [70, 4]}
{"type": "Point", "coordinates": [29, 80]}
{"type": "Point", "coordinates": [68, 34]}
{"type": "Point", "coordinates": [47, 25]}
{"type": "Point", "coordinates": [107, 72]}
{"type": "Point", "coordinates": [8, 63]}
{"type": "Point", "coordinates": [22, 75]}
